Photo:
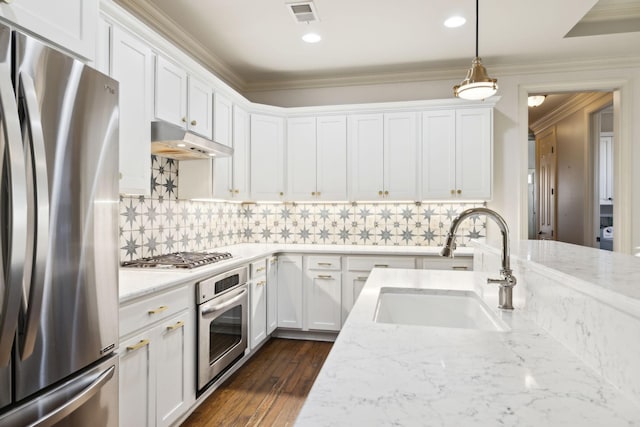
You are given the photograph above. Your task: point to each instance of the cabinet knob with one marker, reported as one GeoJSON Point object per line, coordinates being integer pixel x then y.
{"type": "Point", "coordinates": [313, 193]}
{"type": "Point", "coordinates": [261, 283]}
{"type": "Point", "coordinates": [380, 193]}
{"type": "Point", "coordinates": [231, 191]}
{"type": "Point", "coordinates": [459, 191]}
{"type": "Point", "coordinates": [236, 191]}
{"type": "Point", "coordinates": [453, 191]}
{"type": "Point", "coordinates": [318, 194]}
{"type": "Point", "coordinates": [193, 122]}
{"type": "Point", "coordinates": [184, 120]}
{"type": "Point", "coordinates": [386, 193]}
{"type": "Point", "coordinates": [282, 193]}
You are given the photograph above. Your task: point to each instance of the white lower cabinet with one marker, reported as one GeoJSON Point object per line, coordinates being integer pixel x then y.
{"type": "Point", "coordinates": [462, 263]}
{"type": "Point", "coordinates": [290, 291]}
{"type": "Point", "coordinates": [272, 294]}
{"type": "Point", "coordinates": [157, 366]}
{"type": "Point", "coordinates": [258, 295]}
{"type": "Point", "coordinates": [323, 293]}
{"type": "Point", "coordinates": [357, 273]}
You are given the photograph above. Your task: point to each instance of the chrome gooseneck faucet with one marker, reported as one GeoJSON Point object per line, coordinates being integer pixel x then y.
{"type": "Point", "coordinates": [507, 280]}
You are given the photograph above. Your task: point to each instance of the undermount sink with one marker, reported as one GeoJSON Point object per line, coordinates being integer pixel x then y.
{"type": "Point", "coordinates": [436, 307]}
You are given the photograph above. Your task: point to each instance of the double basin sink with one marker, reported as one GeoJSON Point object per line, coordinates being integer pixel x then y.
{"type": "Point", "coordinates": [436, 308]}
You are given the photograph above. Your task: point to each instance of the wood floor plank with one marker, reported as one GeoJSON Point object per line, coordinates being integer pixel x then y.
{"type": "Point", "coordinates": [269, 390]}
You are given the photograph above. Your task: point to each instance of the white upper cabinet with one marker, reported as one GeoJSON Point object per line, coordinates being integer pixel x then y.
{"type": "Point", "coordinates": [301, 158]}
{"type": "Point", "coordinates": [182, 99]}
{"type": "Point", "coordinates": [366, 148]}
{"type": "Point", "coordinates": [132, 66]}
{"type": "Point", "coordinates": [240, 159]}
{"type": "Point", "coordinates": [267, 157]}
{"type": "Point", "coordinates": [401, 156]}
{"type": "Point", "coordinates": [331, 158]}
{"type": "Point", "coordinates": [69, 24]}
{"type": "Point", "coordinates": [223, 133]}
{"type": "Point", "coordinates": [384, 156]}
{"type": "Point", "coordinates": [200, 107]}
{"type": "Point", "coordinates": [456, 154]}
{"type": "Point", "coordinates": [171, 92]}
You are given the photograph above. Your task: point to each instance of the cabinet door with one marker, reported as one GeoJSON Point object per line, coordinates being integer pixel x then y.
{"type": "Point", "coordinates": [474, 151]}
{"type": "Point", "coordinates": [401, 156]}
{"type": "Point", "coordinates": [323, 296]}
{"type": "Point", "coordinates": [267, 157]}
{"type": "Point", "coordinates": [301, 158]}
{"type": "Point", "coordinates": [132, 66]}
{"type": "Point", "coordinates": [258, 311]}
{"type": "Point", "coordinates": [171, 92]}
{"type": "Point", "coordinates": [200, 109]}
{"type": "Point", "coordinates": [331, 158]}
{"type": "Point", "coordinates": [174, 391]}
{"type": "Point", "coordinates": [290, 291]}
{"type": "Point", "coordinates": [69, 24]}
{"type": "Point", "coordinates": [222, 133]}
{"type": "Point", "coordinates": [240, 159]}
{"type": "Point", "coordinates": [102, 61]}
{"type": "Point", "coordinates": [137, 382]}
{"type": "Point", "coordinates": [272, 294]}
{"type": "Point", "coordinates": [351, 288]}
{"type": "Point", "coordinates": [366, 157]}
{"type": "Point", "coordinates": [438, 154]}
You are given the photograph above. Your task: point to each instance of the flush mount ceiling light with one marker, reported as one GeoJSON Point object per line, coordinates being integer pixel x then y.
{"type": "Point", "coordinates": [536, 100]}
{"type": "Point", "coordinates": [455, 22]}
{"type": "Point", "coordinates": [312, 38]}
{"type": "Point", "coordinates": [477, 85]}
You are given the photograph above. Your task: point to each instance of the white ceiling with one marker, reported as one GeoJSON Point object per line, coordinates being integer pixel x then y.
{"type": "Point", "coordinates": [255, 44]}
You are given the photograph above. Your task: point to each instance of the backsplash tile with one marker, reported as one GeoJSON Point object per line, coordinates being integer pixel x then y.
{"type": "Point", "coordinates": [162, 223]}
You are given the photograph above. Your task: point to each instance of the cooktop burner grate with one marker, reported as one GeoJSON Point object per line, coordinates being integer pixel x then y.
{"type": "Point", "coordinates": [178, 260]}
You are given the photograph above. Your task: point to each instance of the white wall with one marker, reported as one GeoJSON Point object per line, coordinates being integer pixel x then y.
{"type": "Point", "coordinates": [510, 128]}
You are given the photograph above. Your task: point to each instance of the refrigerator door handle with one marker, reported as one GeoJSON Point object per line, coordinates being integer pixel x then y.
{"type": "Point", "coordinates": [11, 146]}
{"type": "Point", "coordinates": [77, 401]}
{"type": "Point", "coordinates": [34, 275]}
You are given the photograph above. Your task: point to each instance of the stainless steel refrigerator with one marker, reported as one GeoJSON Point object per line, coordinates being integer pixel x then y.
{"type": "Point", "coordinates": [58, 230]}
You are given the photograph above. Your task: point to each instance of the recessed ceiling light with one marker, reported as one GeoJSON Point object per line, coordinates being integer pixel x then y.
{"type": "Point", "coordinates": [181, 145]}
{"type": "Point", "coordinates": [311, 38]}
{"type": "Point", "coordinates": [455, 22]}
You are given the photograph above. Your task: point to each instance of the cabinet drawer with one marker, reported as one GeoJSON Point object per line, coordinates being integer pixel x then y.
{"type": "Point", "coordinates": [323, 263]}
{"type": "Point", "coordinates": [150, 310]}
{"type": "Point", "coordinates": [258, 268]}
{"type": "Point", "coordinates": [440, 263]}
{"type": "Point", "coordinates": [369, 263]}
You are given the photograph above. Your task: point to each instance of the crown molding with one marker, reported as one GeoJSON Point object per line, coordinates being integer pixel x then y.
{"type": "Point", "coordinates": [576, 103]}
{"type": "Point", "coordinates": [147, 12]}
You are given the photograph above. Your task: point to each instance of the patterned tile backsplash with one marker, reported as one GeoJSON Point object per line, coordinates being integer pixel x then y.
{"type": "Point", "coordinates": [162, 223]}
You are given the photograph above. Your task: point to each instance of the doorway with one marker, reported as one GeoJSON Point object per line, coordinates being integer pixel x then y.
{"type": "Point", "coordinates": [566, 202]}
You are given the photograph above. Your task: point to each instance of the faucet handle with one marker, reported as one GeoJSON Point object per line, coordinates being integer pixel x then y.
{"type": "Point", "coordinates": [507, 279]}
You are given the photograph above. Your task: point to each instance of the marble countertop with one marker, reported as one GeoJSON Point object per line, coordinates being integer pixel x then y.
{"type": "Point", "coordinates": [399, 375]}
{"type": "Point", "coordinates": [609, 276]}
{"type": "Point", "coordinates": [139, 282]}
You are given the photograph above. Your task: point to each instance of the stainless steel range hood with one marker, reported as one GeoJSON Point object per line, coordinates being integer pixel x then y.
{"type": "Point", "coordinates": [174, 142]}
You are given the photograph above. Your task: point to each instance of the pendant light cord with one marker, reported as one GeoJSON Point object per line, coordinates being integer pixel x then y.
{"type": "Point", "coordinates": [477, 20]}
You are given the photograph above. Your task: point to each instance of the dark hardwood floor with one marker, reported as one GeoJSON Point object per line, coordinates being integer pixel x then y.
{"type": "Point", "coordinates": [268, 390]}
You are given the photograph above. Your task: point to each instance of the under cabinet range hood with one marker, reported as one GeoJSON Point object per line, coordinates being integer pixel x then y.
{"type": "Point", "coordinates": [174, 142]}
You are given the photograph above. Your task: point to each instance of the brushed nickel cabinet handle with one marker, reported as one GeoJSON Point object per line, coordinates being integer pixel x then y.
{"type": "Point", "coordinates": [178, 325]}
{"type": "Point", "coordinates": [381, 265]}
{"type": "Point", "coordinates": [324, 277]}
{"type": "Point", "coordinates": [158, 310]}
{"type": "Point", "coordinates": [328, 264]}
{"type": "Point", "coordinates": [362, 278]}
{"type": "Point", "coordinates": [261, 283]}
{"type": "Point", "coordinates": [459, 267]}
{"type": "Point", "coordinates": [142, 343]}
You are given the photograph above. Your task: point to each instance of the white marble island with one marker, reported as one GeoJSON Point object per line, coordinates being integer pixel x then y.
{"type": "Point", "coordinates": [401, 375]}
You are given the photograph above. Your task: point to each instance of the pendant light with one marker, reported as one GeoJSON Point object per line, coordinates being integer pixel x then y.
{"type": "Point", "coordinates": [477, 85]}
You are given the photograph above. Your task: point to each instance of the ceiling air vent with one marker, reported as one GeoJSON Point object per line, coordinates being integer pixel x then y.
{"type": "Point", "coordinates": [303, 12]}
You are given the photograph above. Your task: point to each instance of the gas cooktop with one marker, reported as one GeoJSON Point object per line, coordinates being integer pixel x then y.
{"type": "Point", "coordinates": [178, 260]}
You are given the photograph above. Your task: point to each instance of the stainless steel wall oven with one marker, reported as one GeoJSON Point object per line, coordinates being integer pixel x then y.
{"type": "Point", "coordinates": [223, 311]}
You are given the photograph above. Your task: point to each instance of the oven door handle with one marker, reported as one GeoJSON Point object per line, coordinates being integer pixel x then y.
{"type": "Point", "coordinates": [210, 310]}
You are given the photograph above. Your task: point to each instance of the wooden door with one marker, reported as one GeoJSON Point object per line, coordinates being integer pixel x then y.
{"type": "Point", "coordinates": [546, 170]}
